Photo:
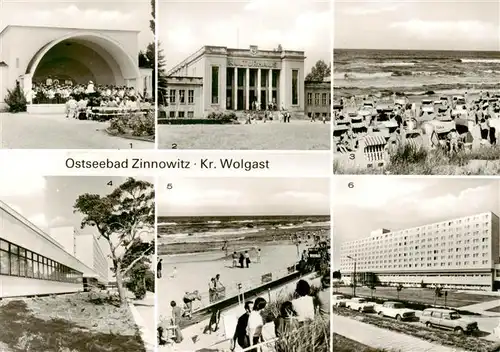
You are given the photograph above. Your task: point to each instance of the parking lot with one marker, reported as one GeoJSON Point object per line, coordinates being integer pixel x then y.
{"type": "Point", "coordinates": [480, 341]}
{"type": "Point", "coordinates": [427, 296]}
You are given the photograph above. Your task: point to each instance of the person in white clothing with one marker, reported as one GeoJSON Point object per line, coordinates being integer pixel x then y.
{"type": "Point", "coordinates": [303, 305]}
{"type": "Point", "coordinates": [71, 108]}
{"type": "Point", "coordinates": [90, 88]}
{"type": "Point", "coordinates": [256, 323]}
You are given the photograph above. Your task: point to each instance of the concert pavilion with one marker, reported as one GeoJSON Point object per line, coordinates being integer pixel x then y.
{"type": "Point", "coordinates": [107, 57]}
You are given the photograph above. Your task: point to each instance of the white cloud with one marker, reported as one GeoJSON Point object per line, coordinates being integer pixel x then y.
{"type": "Point", "coordinates": [442, 30]}
{"type": "Point", "coordinates": [470, 200]}
{"type": "Point", "coordinates": [367, 10]}
{"type": "Point", "coordinates": [186, 196]}
{"type": "Point", "coordinates": [73, 16]}
{"type": "Point", "coordinates": [290, 197]}
{"type": "Point", "coordinates": [374, 191]}
{"type": "Point", "coordinates": [21, 184]}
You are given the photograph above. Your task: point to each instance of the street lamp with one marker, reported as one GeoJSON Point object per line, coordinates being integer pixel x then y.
{"type": "Point", "coordinates": [354, 279]}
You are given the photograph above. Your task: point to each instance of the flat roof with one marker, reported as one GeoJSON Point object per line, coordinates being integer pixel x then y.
{"type": "Point", "coordinates": [70, 28]}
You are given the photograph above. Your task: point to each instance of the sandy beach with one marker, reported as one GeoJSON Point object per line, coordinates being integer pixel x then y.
{"type": "Point", "coordinates": [193, 272]}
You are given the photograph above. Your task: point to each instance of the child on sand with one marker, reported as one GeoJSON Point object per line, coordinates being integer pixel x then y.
{"type": "Point", "coordinates": [235, 260]}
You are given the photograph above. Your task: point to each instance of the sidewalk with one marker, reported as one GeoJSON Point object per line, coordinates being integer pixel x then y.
{"type": "Point", "coordinates": [143, 312]}
{"type": "Point", "coordinates": [482, 308]}
{"type": "Point", "coordinates": [384, 339]}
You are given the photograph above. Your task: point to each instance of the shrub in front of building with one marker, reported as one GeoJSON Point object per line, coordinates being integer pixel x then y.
{"type": "Point", "coordinates": [15, 100]}
{"type": "Point", "coordinates": [134, 124]}
{"type": "Point", "coordinates": [213, 118]}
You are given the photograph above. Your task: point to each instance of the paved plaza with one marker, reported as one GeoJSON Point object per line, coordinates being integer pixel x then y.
{"type": "Point", "coordinates": [296, 135]}
{"type": "Point", "coordinates": [25, 131]}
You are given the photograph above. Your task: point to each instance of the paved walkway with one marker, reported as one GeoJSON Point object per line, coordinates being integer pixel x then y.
{"type": "Point", "coordinates": [24, 131]}
{"type": "Point", "coordinates": [143, 312]}
{"type": "Point", "coordinates": [384, 339]}
{"type": "Point", "coordinates": [482, 308]}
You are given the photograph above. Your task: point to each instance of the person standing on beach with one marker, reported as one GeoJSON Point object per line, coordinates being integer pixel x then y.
{"type": "Point", "coordinates": [242, 260]}
{"type": "Point", "coordinates": [220, 289]}
{"type": "Point", "coordinates": [247, 259]}
{"type": "Point", "coordinates": [174, 273]}
{"type": "Point", "coordinates": [235, 260]}
{"type": "Point", "coordinates": [211, 290]}
{"type": "Point", "coordinates": [258, 255]}
{"type": "Point", "coordinates": [158, 268]}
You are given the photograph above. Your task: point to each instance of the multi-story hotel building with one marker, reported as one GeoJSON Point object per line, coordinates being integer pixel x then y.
{"type": "Point", "coordinates": [458, 253]}
{"type": "Point", "coordinates": [32, 262]}
{"type": "Point", "coordinates": [85, 248]}
{"type": "Point", "coordinates": [236, 80]}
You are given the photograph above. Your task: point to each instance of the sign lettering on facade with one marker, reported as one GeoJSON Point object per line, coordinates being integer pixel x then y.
{"type": "Point", "coordinates": [251, 63]}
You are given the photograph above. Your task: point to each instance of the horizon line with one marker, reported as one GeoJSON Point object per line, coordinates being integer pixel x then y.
{"type": "Point", "coordinates": [213, 215]}
{"type": "Point", "coordinates": [388, 49]}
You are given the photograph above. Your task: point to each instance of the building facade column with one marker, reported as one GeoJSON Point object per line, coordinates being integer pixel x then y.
{"type": "Point", "coordinates": [259, 83]}
{"type": "Point", "coordinates": [235, 89]}
{"type": "Point", "coordinates": [247, 89]}
{"type": "Point", "coordinates": [26, 84]}
{"type": "Point", "coordinates": [270, 86]}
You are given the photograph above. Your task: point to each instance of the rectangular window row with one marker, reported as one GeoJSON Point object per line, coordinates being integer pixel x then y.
{"type": "Point", "coordinates": [181, 114]}
{"type": "Point", "coordinates": [181, 94]}
{"type": "Point", "coordinates": [18, 261]}
{"type": "Point", "coordinates": [320, 99]}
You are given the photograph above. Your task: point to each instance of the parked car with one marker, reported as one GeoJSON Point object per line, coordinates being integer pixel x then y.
{"type": "Point", "coordinates": [447, 319]}
{"type": "Point", "coordinates": [395, 310]}
{"type": "Point", "coordinates": [339, 300]}
{"type": "Point", "coordinates": [361, 305]}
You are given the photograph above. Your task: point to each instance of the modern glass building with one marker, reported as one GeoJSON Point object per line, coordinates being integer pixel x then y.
{"type": "Point", "coordinates": [457, 253]}
{"type": "Point", "coordinates": [31, 262]}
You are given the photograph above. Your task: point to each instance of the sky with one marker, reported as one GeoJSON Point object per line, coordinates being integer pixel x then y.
{"type": "Point", "coordinates": [420, 24]}
{"type": "Point", "coordinates": [396, 203]}
{"type": "Point", "coordinates": [243, 196]}
{"type": "Point", "coordinates": [48, 201]}
{"type": "Point", "coordinates": [184, 27]}
{"type": "Point", "coordinates": [110, 14]}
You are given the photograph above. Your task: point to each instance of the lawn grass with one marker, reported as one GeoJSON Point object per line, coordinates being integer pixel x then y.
{"type": "Point", "coordinates": [343, 344]}
{"type": "Point", "coordinates": [411, 160]}
{"type": "Point", "coordinates": [426, 296]}
{"type": "Point", "coordinates": [297, 135]}
{"type": "Point", "coordinates": [71, 323]}
{"type": "Point", "coordinates": [434, 335]}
